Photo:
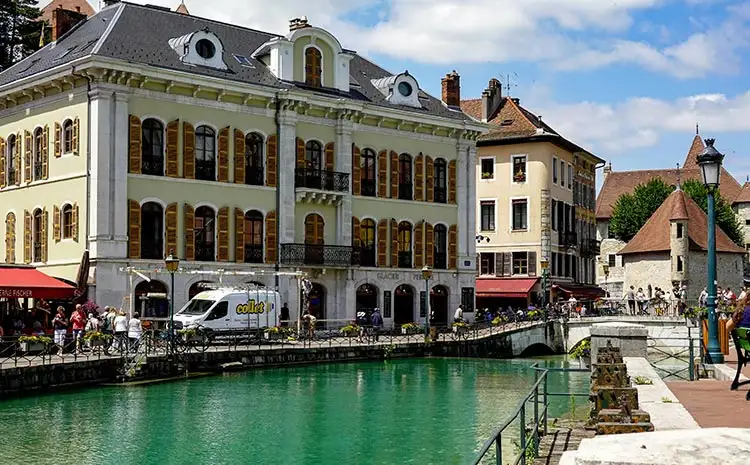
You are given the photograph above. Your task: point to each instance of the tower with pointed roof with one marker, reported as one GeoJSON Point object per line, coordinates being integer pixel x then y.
{"type": "Point", "coordinates": [678, 237]}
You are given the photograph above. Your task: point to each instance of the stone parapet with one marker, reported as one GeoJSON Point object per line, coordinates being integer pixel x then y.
{"type": "Point", "coordinates": [630, 338]}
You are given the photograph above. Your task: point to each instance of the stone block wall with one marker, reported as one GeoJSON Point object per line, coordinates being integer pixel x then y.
{"type": "Point", "coordinates": [728, 272]}
{"type": "Point", "coordinates": [642, 270]}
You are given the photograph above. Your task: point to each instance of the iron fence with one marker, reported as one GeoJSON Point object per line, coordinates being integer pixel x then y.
{"type": "Point", "coordinates": [317, 254]}
{"type": "Point", "coordinates": [321, 179]}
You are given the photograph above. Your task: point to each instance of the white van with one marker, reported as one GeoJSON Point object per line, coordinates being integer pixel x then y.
{"type": "Point", "coordinates": [230, 309]}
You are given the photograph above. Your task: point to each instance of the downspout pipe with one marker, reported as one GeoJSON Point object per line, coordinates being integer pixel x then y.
{"type": "Point", "coordinates": [88, 150]}
{"type": "Point", "coordinates": [277, 259]}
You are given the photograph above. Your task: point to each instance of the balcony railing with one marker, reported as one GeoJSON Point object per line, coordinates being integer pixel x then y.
{"type": "Point", "coordinates": [404, 259]}
{"type": "Point", "coordinates": [319, 255]}
{"type": "Point", "coordinates": [368, 187]}
{"type": "Point", "coordinates": [253, 253]}
{"type": "Point", "coordinates": [440, 195]}
{"type": "Point", "coordinates": [321, 179]}
{"type": "Point", "coordinates": [440, 262]}
{"type": "Point", "coordinates": [405, 191]}
{"type": "Point", "coordinates": [205, 170]}
{"type": "Point", "coordinates": [254, 176]}
{"type": "Point", "coordinates": [152, 166]}
{"type": "Point", "coordinates": [568, 239]}
{"type": "Point", "coordinates": [589, 247]}
{"type": "Point", "coordinates": [205, 253]}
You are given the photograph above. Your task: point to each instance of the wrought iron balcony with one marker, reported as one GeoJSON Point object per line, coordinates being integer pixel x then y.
{"type": "Point", "coordinates": [332, 181]}
{"type": "Point", "coordinates": [253, 253]}
{"type": "Point", "coordinates": [568, 239]}
{"type": "Point", "coordinates": [254, 176]}
{"type": "Point", "coordinates": [319, 255]}
{"type": "Point", "coordinates": [152, 166]}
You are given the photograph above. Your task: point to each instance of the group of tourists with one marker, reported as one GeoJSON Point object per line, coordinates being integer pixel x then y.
{"type": "Point", "coordinates": [118, 332]}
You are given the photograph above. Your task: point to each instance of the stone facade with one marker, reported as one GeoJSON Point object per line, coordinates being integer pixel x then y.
{"type": "Point", "coordinates": [613, 283]}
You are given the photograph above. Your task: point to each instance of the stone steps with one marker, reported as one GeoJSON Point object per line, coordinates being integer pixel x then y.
{"type": "Point", "coordinates": [559, 440]}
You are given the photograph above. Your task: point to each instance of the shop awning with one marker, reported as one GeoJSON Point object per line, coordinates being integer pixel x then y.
{"type": "Point", "coordinates": [30, 283]}
{"type": "Point", "coordinates": [513, 288]}
{"type": "Point", "coordinates": [580, 292]}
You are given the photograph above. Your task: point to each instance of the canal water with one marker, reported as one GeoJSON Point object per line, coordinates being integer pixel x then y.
{"type": "Point", "coordinates": [417, 411]}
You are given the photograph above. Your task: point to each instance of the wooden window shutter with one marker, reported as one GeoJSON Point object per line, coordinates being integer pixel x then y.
{"type": "Point", "coordinates": [45, 154]}
{"type": "Point", "coordinates": [27, 224]}
{"type": "Point", "coordinates": [3, 162]}
{"type": "Point", "coordinates": [429, 245]}
{"type": "Point", "coordinates": [135, 137]}
{"type": "Point", "coordinates": [134, 229]}
{"type": "Point", "coordinates": [452, 181]}
{"type": "Point", "coordinates": [58, 140]}
{"type": "Point", "coordinates": [170, 220]}
{"type": "Point", "coordinates": [239, 157]}
{"type": "Point", "coordinates": [419, 245]}
{"type": "Point", "coordinates": [224, 154]}
{"type": "Point", "coordinates": [452, 247]}
{"type": "Point", "coordinates": [76, 137]}
{"type": "Point", "coordinates": [188, 151]}
{"type": "Point", "coordinates": [330, 152]}
{"type": "Point", "coordinates": [10, 238]}
{"type": "Point", "coordinates": [17, 160]}
{"type": "Point", "coordinates": [271, 237]}
{"type": "Point", "coordinates": [239, 232]}
{"type": "Point", "coordinates": [500, 264]}
{"type": "Point", "coordinates": [356, 234]}
{"type": "Point", "coordinates": [271, 149]}
{"type": "Point", "coordinates": [430, 165]}
{"type": "Point", "coordinates": [189, 227]}
{"type": "Point", "coordinates": [356, 172]}
{"type": "Point", "coordinates": [382, 243]}
{"type": "Point", "coordinates": [27, 142]}
{"type": "Point", "coordinates": [394, 243]}
{"type": "Point", "coordinates": [75, 221]}
{"type": "Point", "coordinates": [223, 220]}
{"type": "Point", "coordinates": [531, 256]}
{"type": "Point", "coordinates": [45, 235]}
{"type": "Point", "coordinates": [419, 177]}
{"type": "Point", "coordinates": [173, 141]}
{"type": "Point", "coordinates": [300, 153]}
{"type": "Point", "coordinates": [56, 232]}
{"type": "Point", "coordinates": [394, 175]}
{"type": "Point", "coordinates": [383, 174]}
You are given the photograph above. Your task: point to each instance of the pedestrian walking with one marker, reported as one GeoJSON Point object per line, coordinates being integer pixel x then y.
{"type": "Point", "coordinates": [284, 316]}
{"type": "Point", "coordinates": [376, 320]}
{"type": "Point", "coordinates": [108, 326]}
{"type": "Point", "coordinates": [92, 326]}
{"type": "Point", "coordinates": [121, 331]}
{"type": "Point", "coordinates": [60, 325]}
{"type": "Point", "coordinates": [631, 300]}
{"type": "Point", "coordinates": [135, 330]}
{"type": "Point", "coordinates": [79, 326]}
{"type": "Point", "coordinates": [458, 315]}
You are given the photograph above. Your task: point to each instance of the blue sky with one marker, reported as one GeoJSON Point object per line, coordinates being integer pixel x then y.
{"type": "Point", "coordinates": [627, 79]}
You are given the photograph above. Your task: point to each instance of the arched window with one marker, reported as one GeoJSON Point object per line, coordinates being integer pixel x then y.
{"type": "Point", "coordinates": [38, 153]}
{"type": "Point", "coordinates": [314, 239]}
{"type": "Point", "coordinates": [152, 147]}
{"type": "Point", "coordinates": [205, 153]}
{"type": "Point", "coordinates": [253, 237]}
{"type": "Point", "coordinates": [314, 155]}
{"type": "Point", "coordinates": [404, 177]}
{"type": "Point", "coordinates": [367, 241]}
{"type": "Point", "coordinates": [368, 170]}
{"type": "Point", "coordinates": [12, 148]}
{"type": "Point", "coordinates": [441, 181]}
{"type": "Point", "coordinates": [152, 231]}
{"type": "Point", "coordinates": [254, 159]}
{"type": "Point", "coordinates": [440, 244]}
{"type": "Point", "coordinates": [67, 131]}
{"type": "Point", "coordinates": [36, 234]}
{"type": "Point", "coordinates": [66, 217]}
{"type": "Point", "coordinates": [313, 67]}
{"type": "Point", "coordinates": [404, 244]}
{"type": "Point", "coordinates": [205, 234]}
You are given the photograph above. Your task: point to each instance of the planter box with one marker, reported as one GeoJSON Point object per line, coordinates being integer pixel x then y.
{"type": "Point", "coordinates": [32, 347]}
{"type": "Point", "coordinates": [460, 330]}
{"type": "Point", "coordinates": [407, 332]}
{"type": "Point", "coordinates": [273, 336]}
{"type": "Point", "coordinates": [97, 342]}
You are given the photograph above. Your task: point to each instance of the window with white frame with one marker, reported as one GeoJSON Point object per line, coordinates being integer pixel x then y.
{"type": "Point", "coordinates": [570, 176]}
{"type": "Point", "coordinates": [520, 211]}
{"type": "Point", "coordinates": [554, 170]}
{"type": "Point", "coordinates": [487, 264]}
{"type": "Point", "coordinates": [562, 173]}
{"type": "Point", "coordinates": [520, 263]}
{"type": "Point", "coordinates": [487, 167]}
{"type": "Point", "coordinates": [519, 168]}
{"type": "Point", "coordinates": [487, 213]}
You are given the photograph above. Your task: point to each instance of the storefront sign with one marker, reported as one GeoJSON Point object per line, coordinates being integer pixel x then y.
{"type": "Point", "coordinates": [397, 276]}
{"type": "Point", "coordinates": [13, 293]}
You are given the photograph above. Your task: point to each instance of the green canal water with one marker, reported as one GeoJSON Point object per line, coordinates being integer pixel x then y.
{"type": "Point", "coordinates": [421, 411]}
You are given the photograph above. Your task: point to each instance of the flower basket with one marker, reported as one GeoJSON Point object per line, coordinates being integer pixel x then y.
{"type": "Point", "coordinates": [519, 177]}
{"type": "Point", "coordinates": [32, 347]}
{"type": "Point", "coordinates": [190, 335]}
{"type": "Point", "coordinates": [96, 338]}
{"type": "Point", "coordinates": [409, 328]}
{"type": "Point", "coordinates": [268, 336]}
{"type": "Point", "coordinates": [460, 328]}
{"type": "Point", "coordinates": [350, 331]}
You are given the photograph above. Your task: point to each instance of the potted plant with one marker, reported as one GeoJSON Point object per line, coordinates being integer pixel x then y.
{"type": "Point", "coordinates": [409, 328]}
{"type": "Point", "coordinates": [499, 320]}
{"type": "Point", "coordinates": [190, 335]}
{"type": "Point", "coordinates": [520, 176]}
{"type": "Point", "coordinates": [351, 330]}
{"type": "Point", "coordinates": [460, 327]}
{"type": "Point", "coordinates": [694, 314]}
{"type": "Point", "coordinates": [583, 353]}
{"type": "Point", "coordinates": [34, 344]}
{"type": "Point", "coordinates": [96, 338]}
{"type": "Point", "coordinates": [276, 332]}
{"type": "Point", "coordinates": [486, 175]}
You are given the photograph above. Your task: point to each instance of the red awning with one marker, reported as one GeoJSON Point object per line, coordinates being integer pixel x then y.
{"type": "Point", "coordinates": [517, 288]}
{"type": "Point", "coordinates": [30, 283]}
{"type": "Point", "coordinates": [581, 292]}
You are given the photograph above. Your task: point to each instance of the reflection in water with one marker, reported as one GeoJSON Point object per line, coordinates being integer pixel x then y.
{"type": "Point", "coordinates": [403, 411]}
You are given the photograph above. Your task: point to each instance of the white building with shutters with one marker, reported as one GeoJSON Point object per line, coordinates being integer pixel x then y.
{"type": "Point", "coordinates": [238, 150]}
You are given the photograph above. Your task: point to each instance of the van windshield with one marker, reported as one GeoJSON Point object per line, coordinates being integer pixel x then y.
{"type": "Point", "coordinates": [197, 307]}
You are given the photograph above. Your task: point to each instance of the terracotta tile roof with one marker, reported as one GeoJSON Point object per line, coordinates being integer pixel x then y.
{"type": "Point", "coordinates": [73, 5]}
{"type": "Point", "coordinates": [744, 195]}
{"type": "Point", "coordinates": [654, 236]}
{"type": "Point", "coordinates": [473, 108]}
{"type": "Point", "coordinates": [695, 149]}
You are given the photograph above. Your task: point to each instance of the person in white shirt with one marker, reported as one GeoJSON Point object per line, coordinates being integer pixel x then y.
{"type": "Point", "coordinates": [743, 293]}
{"type": "Point", "coordinates": [703, 297]}
{"type": "Point", "coordinates": [92, 326]}
{"type": "Point", "coordinates": [459, 314]}
{"type": "Point", "coordinates": [134, 331]}
{"type": "Point", "coordinates": [121, 331]}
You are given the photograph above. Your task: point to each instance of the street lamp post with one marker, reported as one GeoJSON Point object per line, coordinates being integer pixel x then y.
{"type": "Point", "coordinates": [710, 164]}
{"type": "Point", "coordinates": [426, 275]}
{"type": "Point", "coordinates": [545, 266]}
{"type": "Point", "coordinates": [172, 263]}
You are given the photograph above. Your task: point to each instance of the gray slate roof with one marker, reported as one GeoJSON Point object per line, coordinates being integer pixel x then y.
{"type": "Point", "coordinates": [141, 33]}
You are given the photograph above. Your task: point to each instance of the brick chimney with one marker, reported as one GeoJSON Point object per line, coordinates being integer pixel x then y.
{"type": "Point", "coordinates": [607, 170]}
{"type": "Point", "coordinates": [452, 89]}
{"type": "Point", "coordinates": [64, 20]}
{"type": "Point", "coordinates": [298, 23]}
{"type": "Point", "coordinates": [491, 98]}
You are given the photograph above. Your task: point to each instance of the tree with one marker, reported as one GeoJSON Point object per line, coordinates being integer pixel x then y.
{"type": "Point", "coordinates": [631, 211]}
{"type": "Point", "coordinates": [725, 217]}
{"type": "Point", "coordinates": [20, 29]}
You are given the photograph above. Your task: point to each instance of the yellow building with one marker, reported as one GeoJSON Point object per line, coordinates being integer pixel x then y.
{"type": "Point", "coordinates": [535, 202]}
{"type": "Point", "coordinates": [143, 131]}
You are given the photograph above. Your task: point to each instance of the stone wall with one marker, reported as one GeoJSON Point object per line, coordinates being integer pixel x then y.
{"type": "Point", "coordinates": [728, 272]}
{"type": "Point", "coordinates": [642, 270]}
{"type": "Point", "coordinates": [614, 283]}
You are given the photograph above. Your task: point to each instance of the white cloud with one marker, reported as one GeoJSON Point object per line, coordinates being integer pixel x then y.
{"type": "Point", "coordinates": [479, 31]}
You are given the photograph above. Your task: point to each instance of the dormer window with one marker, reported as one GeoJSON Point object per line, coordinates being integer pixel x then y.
{"type": "Point", "coordinates": [313, 67]}
{"type": "Point", "coordinates": [405, 89]}
{"type": "Point", "coordinates": [205, 49]}
{"type": "Point", "coordinates": [401, 89]}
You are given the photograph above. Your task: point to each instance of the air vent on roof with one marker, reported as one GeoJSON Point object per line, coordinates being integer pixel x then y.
{"type": "Point", "coordinates": [506, 122]}
{"type": "Point", "coordinates": [243, 60]}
